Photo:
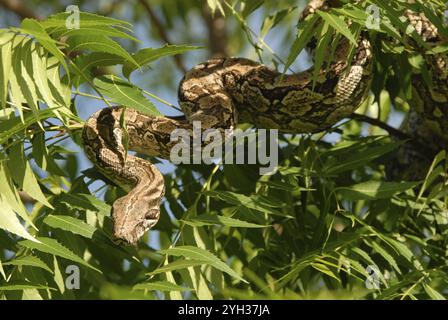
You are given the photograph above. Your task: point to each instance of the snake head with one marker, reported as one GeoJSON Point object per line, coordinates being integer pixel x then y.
{"type": "Point", "coordinates": [132, 219]}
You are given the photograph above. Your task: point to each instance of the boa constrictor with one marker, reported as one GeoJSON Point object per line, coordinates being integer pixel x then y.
{"type": "Point", "coordinates": [427, 121]}
{"type": "Point", "coordinates": [220, 93]}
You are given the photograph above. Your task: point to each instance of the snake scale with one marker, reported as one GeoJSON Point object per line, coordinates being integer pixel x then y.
{"type": "Point", "coordinates": [220, 93]}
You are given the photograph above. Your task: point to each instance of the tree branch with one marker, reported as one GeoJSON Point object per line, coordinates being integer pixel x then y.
{"type": "Point", "coordinates": [375, 122]}
{"type": "Point", "coordinates": [417, 143]}
{"type": "Point", "coordinates": [161, 31]}
{"type": "Point", "coordinates": [217, 33]}
{"type": "Point", "coordinates": [19, 8]}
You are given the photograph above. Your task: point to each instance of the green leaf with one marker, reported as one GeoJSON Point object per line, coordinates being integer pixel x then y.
{"type": "Point", "coordinates": [282, 185]}
{"type": "Point", "coordinates": [2, 271]}
{"type": "Point", "coordinates": [35, 28]}
{"type": "Point", "coordinates": [70, 224]}
{"type": "Point", "coordinates": [245, 201]}
{"type": "Point", "coordinates": [272, 21]}
{"type": "Point", "coordinates": [363, 255]}
{"type": "Point", "coordinates": [85, 202]}
{"type": "Point", "coordinates": [402, 250]}
{"type": "Point", "coordinates": [104, 30]}
{"type": "Point", "coordinates": [87, 62]}
{"type": "Point", "coordinates": [60, 89]}
{"type": "Point", "coordinates": [29, 261]}
{"type": "Point", "coordinates": [338, 24]}
{"type": "Point", "coordinates": [39, 62]}
{"type": "Point", "coordinates": [148, 55]}
{"type": "Point", "coordinates": [326, 35]}
{"type": "Point", "coordinates": [23, 75]}
{"type": "Point", "coordinates": [86, 19]}
{"type": "Point", "coordinates": [160, 286]}
{"type": "Point", "coordinates": [357, 159]}
{"type": "Point", "coordinates": [358, 15]}
{"type": "Point", "coordinates": [439, 49]}
{"type": "Point", "coordinates": [23, 285]}
{"type": "Point", "coordinates": [15, 125]}
{"type": "Point", "coordinates": [206, 220]}
{"type": "Point", "coordinates": [53, 247]}
{"type": "Point", "coordinates": [5, 65]}
{"type": "Point", "coordinates": [42, 156]}
{"type": "Point", "coordinates": [174, 295]}
{"type": "Point", "coordinates": [178, 265]}
{"type": "Point", "coordinates": [214, 5]}
{"type": "Point", "coordinates": [125, 93]}
{"type": "Point", "coordinates": [15, 92]}
{"type": "Point", "coordinates": [386, 255]}
{"type": "Point", "coordinates": [23, 175]}
{"type": "Point", "coordinates": [10, 195]}
{"type": "Point", "coordinates": [10, 222]}
{"type": "Point", "coordinates": [397, 20]}
{"type": "Point", "coordinates": [373, 190]}
{"type": "Point", "coordinates": [95, 59]}
{"type": "Point", "coordinates": [325, 270]}
{"type": "Point", "coordinates": [250, 6]}
{"type": "Point", "coordinates": [306, 32]}
{"type": "Point", "coordinates": [58, 278]}
{"type": "Point", "coordinates": [434, 294]}
{"type": "Point", "coordinates": [431, 175]}
{"type": "Point", "coordinates": [99, 43]}
{"type": "Point", "coordinates": [203, 255]}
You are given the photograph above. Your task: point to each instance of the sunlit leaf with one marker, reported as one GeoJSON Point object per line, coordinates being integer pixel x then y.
{"type": "Point", "coordinates": [29, 261]}
{"type": "Point", "coordinates": [160, 286]}
{"type": "Point", "coordinates": [85, 202]}
{"type": "Point", "coordinates": [125, 93]}
{"type": "Point", "coordinates": [372, 190]}
{"type": "Point", "coordinates": [70, 224]}
{"type": "Point", "coordinates": [338, 24]}
{"type": "Point", "coordinates": [434, 294]}
{"type": "Point", "coordinates": [53, 247]}
{"type": "Point", "coordinates": [99, 43]}
{"type": "Point", "coordinates": [178, 264]}
{"type": "Point", "coordinates": [195, 253]}
{"type": "Point", "coordinates": [10, 222]}
{"type": "Point", "coordinates": [24, 176]}
{"type": "Point", "coordinates": [23, 285]}
{"type": "Point", "coordinates": [204, 220]}
{"type": "Point", "coordinates": [35, 28]}
{"type": "Point", "coordinates": [148, 55]}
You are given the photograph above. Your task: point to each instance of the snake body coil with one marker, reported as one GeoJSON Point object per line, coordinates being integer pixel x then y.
{"type": "Point", "coordinates": [218, 93]}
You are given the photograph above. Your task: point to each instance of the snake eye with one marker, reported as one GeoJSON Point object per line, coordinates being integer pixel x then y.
{"type": "Point", "coordinates": [148, 215]}
{"type": "Point", "coordinates": [152, 214]}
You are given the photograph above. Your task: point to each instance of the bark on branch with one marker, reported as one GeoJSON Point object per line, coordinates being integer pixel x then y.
{"type": "Point", "coordinates": [19, 8]}
{"type": "Point", "coordinates": [217, 33]}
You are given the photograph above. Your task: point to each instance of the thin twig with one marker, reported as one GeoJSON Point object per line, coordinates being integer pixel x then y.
{"type": "Point", "coordinates": [19, 8]}
{"type": "Point", "coordinates": [378, 123]}
{"type": "Point", "coordinates": [152, 95]}
{"type": "Point", "coordinates": [249, 31]}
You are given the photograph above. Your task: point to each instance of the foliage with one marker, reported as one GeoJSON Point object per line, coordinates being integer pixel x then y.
{"type": "Point", "coordinates": [315, 229]}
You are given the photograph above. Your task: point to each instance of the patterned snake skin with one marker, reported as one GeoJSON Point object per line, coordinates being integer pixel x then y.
{"type": "Point", "coordinates": [427, 120]}
{"type": "Point", "coordinates": [220, 93]}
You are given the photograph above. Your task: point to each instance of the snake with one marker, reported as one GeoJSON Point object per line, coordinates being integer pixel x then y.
{"type": "Point", "coordinates": [220, 93]}
{"type": "Point", "coordinates": [426, 122]}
